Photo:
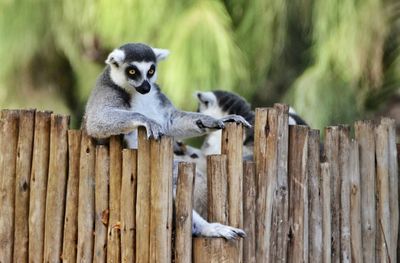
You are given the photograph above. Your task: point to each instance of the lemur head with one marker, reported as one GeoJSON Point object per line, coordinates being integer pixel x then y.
{"type": "Point", "coordinates": [133, 66]}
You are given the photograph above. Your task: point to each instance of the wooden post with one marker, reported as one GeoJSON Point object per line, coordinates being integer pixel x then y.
{"type": "Point", "coordinates": [102, 174]}
{"type": "Point", "coordinates": [39, 171]}
{"type": "Point", "coordinates": [143, 198]}
{"type": "Point", "coordinates": [344, 174]}
{"type": "Point", "coordinates": [86, 200]}
{"type": "Point", "coordinates": [161, 199]}
{"type": "Point", "coordinates": [8, 148]}
{"type": "Point", "coordinates": [383, 213]}
{"type": "Point", "coordinates": [114, 223]}
{"type": "Point", "coordinates": [249, 211]}
{"type": "Point", "coordinates": [56, 186]}
{"type": "Point", "coordinates": [364, 133]}
{"type": "Point", "coordinates": [326, 212]}
{"type": "Point", "coordinates": [355, 204]}
{"type": "Point", "coordinates": [393, 185]}
{"type": "Point", "coordinates": [183, 214]}
{"type": "Point", "coordinates": [128, 203]}
{"type": "Point", "coordinates": [298, 199]}
{"type": "Point", "coordinates": [23, 173]}
{"type": "Point", "coordinates": [315, 198]}
{"type": "Point", "coordinates": [232, 147]}
{"type": "Point", "coordinates": [332, 156]}
{"type": "Point", "coordinates": [71, 207]}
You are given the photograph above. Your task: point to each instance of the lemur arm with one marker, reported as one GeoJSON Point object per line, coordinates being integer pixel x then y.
{"type": "Point", "coordinates": [112, 121]}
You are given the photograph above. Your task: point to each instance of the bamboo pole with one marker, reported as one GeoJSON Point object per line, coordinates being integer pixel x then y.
{"type": "Point", "coordinates": [232, 147]}
{"type": "Point", "coordinates": [344, 174]}
{"type": "Point", "coordinates": [383, 213]}
{"type": "Point", "coordinates": [128, 203]}
{"type": "Point", "coordinates": [86, 200]}
{"type": "Point", "coordinates": [249, 212]}
{"type": "Point", "coordinates": [393, 185]}
{"type": "Point", "coordinates": [71, 206]}
{"type": "Point", "coordinates": [8, 148]}
{"type": "Point", "coordinates": [183, 214]}
{"type": "Point", "coordinates": [332, 156]}
{"type": "Point", "coordinates": [315, 199]}
{"type": "Point", "coordinates": [364, 133]}
{"type": "Point", "coordinates": [114, 223]}
{"type": "Point", "coordinates": [143, 198]}
{"type": "Point", "coordinates": [326, 211]}
{"type": "Point", "coordinates": [102, 173]}
{"type": "Point", "coordinates": [56, 186]}
{"type": "Point", "coordinates": [39, 171]}
{"type": "Point", "coordinates": [355, 204]}
{"type": "Point", "coordinates": [161, 199]}
{"type": "Point", "coordinates": [298, 199]}
{"type": "Point", "coordinates": [23, 172]}
{"type": "Point", "coordinates": [265, 156]}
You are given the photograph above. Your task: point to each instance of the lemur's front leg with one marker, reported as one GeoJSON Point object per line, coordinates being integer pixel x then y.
{"type": "Point", "coordinates": [192, 124]}
{"type": "Point", "coordinates": [113, 121]}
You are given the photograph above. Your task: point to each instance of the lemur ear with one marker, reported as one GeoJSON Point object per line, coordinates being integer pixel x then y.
{"type": "Point", "coordinates": [115, 58]}
{"type": "Point", "coordinates": [161, 54]}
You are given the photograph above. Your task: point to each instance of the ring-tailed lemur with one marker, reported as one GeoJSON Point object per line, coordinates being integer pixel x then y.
{"type": "Point", "coordinates": [126, 96]}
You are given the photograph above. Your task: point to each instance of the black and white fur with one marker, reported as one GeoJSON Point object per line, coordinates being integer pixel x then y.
{"type": "Point", "coordinates": [126, 96]}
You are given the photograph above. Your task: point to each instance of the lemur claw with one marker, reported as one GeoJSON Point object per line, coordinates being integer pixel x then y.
{"type": "Point", "coordinates": [237, 119]}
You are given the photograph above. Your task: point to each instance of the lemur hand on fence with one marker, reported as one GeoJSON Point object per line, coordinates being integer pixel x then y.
{"type": "Point", "coordinates": [126, 96]}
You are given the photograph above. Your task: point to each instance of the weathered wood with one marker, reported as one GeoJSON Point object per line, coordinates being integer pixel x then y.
{"type": "Point", "coordinates": [332, 156]}
{"type": "Point", "coordinates": [326, 211]}
{"type": "Point", "coordinates": [394, 186]}
{"type": "Point", "coordinates": [265, 154]}
{"type": "Point", "coordinates": [398, 174]}
{"type": "Point", "coordinates": [355, 204]}
{"type": "Point", "coordinates": [217, 188]}
{"type": "Point", "coordinates": [344, 174]}
{"type": "Point", "coordinates": [8, 148]}
{"type": "Point", "coordinates": [364, 133]}
{"type": "Point", "coordinates": [102, 173]}
{"type": "Point", "coordinates": [161, 199]}
{"type": "Point", "coordinates": [143, 198]}
{"type": "Point", "coordinates": [114, 223]}
{"type": "Point", "coordinates": [71, 206]}
{"type": "Point", "coordinates": [56, 186]}
{"type": "Point", "coordinates": [86, 206]}
{"type": "Point", "coordinates": [183, 214]}
{"type": "Point", "coordinates": [23, 173]}
{"type": "Point", "coordinates": [207, 250]}
{"type": "Point", "coordinates": [314, 197]}
{"type": "Point", "coordinates": [249, 211]}
{"type": "Point", "coordinates": [298, 199]}
{"type": "Point", "coordinates": [232, 147]}
{"type": "Point", "coordinates": [280, 203]}
{"type": "Point", "coordinates": [128, 203]}
{"type": "Point", "coordinates": [383, 213]}
{"type": "Point", "coordinates": [39, 171]}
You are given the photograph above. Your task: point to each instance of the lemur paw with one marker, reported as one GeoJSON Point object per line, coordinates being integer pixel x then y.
{"type": "Point", "coordinates": [236, 119]}
{"type": "Point", "coordinates": [154, 130]}
{"type": "Point", "coordinates": [220, 230]}
{"type": "Point", "coordinates": [210, 123]}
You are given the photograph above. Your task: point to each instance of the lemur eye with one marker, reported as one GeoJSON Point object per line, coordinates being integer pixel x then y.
{"type": "Point", "coordinates": [151, 71]}
{"type": "Point", "coordinates": [132, 72]}
{"type": "Point", "coordinates": [206, 102]}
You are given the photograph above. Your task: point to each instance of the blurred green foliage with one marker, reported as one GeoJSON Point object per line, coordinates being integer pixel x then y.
{"type": "Point", "coordinates": [333, 60]}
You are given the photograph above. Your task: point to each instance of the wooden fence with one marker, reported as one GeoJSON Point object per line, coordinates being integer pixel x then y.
{"type": "Point", "coordinates": [63, 198]}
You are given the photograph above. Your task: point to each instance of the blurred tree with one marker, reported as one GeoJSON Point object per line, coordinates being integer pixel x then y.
{"type": "Point", "coordinates": [333, 60]}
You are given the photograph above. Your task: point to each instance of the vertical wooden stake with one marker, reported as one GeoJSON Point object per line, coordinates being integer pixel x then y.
{"type": "Point", "coordinates": [39, 171]}
{"type": "Point", "coordinates": [8, 148]}
{"type": "Point", "coordinates": [128, 203]}
{"type": "Point", "coordinates": [23, 173]}
{"type": "Point", "coordinates": [56, 186]}
{"type": "Point", "coordinates": [102, 175]}
{"type": "Point", "coordinates": [71, 207]}
{"type": "Point", "coordinates": [114, 223]}
{"type": "Point", "coordinates": [249, 211]}
{"type": "Point", "coordinates": [86, 200]}
{"type": "Point", "coordinates": [326, 212]}
{"type": "Point", "coordinates": [183, 215]}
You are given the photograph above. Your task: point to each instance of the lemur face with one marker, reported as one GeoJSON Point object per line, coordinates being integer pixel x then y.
{"type": "Point", "coordinates": [134, 66]}
{"type": "Point", "coordinates": [208, 104]}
